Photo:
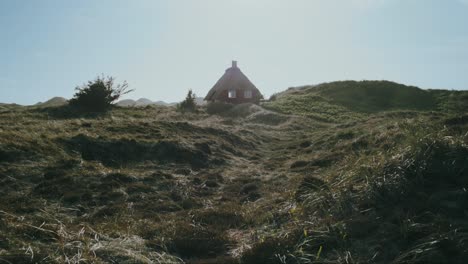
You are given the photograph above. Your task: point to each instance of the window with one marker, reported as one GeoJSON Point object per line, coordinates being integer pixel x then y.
{"type": "Point", "coordinates": [248, 94]}
{"type": "Point", "coordinates": [232, 93]}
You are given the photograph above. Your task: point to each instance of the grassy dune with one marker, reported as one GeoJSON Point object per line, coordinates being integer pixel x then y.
{"type": "Point", "coordinates": [341, 101]}
{"type": "Point", "coordinates": [347, 172]}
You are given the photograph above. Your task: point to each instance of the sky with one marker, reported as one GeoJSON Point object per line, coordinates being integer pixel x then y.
{"type": "Point", "coordinates": [163, 48]}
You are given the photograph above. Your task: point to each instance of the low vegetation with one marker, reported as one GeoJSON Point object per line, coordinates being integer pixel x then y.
{"type": "Point", "coordinates": [341, 101]}
{"type": "Point", "coordinates": [189, 104]}
{"type": "Point", "coordinates": [334, 173]}
{"type": "Point", "coordinates": [98, 95]}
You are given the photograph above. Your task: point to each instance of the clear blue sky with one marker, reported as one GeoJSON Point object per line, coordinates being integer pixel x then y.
{"type": "Point", "coordinates": [165, 47]}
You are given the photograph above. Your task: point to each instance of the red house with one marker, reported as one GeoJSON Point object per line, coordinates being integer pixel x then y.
{"type": "Point", "coordinates": [234, 87]}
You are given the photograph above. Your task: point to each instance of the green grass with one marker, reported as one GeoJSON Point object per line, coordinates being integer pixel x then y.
{"type": "Point", "coordinates": [351, 100]}
{"type": "Point", "coordinates": [451, 101]}
{"type": "Point", "coordinates": [376, 96]}
{"type": "Point", "coordinates": [311, 105]}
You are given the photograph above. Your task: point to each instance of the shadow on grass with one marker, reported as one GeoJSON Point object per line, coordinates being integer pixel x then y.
{"type": "Point", "coordinates": [69, 112]}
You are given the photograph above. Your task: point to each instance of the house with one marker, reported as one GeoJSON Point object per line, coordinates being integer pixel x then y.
{"type": "Point", "coordinates": [234, 87]}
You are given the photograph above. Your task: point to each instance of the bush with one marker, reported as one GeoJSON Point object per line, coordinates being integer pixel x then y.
{"type": "Point", "coordinates": [188, 105]}
{"type": "Point", "coordinates": [243, 110]}
{"type": "Point", "coordinates": [216, 108]}
{"type": "Point", "coordinates": [99, 94]}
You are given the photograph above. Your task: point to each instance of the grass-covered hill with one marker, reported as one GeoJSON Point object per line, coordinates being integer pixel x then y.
{"type": "Point", "coordinates": [350, 99]}
{"type": "Point", "coordinates": [56, 101]}
{"type": "Point", "coordinates": [322, 174]}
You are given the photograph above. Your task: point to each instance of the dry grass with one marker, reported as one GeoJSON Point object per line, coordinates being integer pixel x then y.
{"type": "Point", "coordinates": [153, 185]}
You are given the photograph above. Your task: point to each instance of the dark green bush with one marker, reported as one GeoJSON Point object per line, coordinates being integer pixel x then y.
{"type": "Point", "coordinates": [188, 105]}
{"type": "Point", "coordinates": [98, 95]}
{"type": "Point", "coordinates": [215, 108]}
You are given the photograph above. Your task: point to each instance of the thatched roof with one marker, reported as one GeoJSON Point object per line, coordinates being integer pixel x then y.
{"type": "Point", "coordinates": [233, 78]}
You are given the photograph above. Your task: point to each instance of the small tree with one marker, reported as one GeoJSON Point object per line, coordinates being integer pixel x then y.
{"type": "Point", "coordinates": [99, 94]}
{"type": "Point", "coordinates": [273, 97]}
{"type": "Point", "coordinates": [188, 105]}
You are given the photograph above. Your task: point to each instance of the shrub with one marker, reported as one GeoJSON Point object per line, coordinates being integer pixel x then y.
{"type": "Point", "coordinates": [188, 105]}
{"type": "Point", "coordinates": [99, 94]}
{"type": "Point", "coordinates": [243, 110]}
{"type": "Point", "coordinates": [215, 108]}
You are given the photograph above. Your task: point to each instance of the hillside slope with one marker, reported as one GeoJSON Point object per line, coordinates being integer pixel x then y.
{"type": "Point", "coordinates": [56, 101]}
{"type": "Point", "coordinates": [351, 99]}
{"type": "Point", "coordinates": [320, 182]}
